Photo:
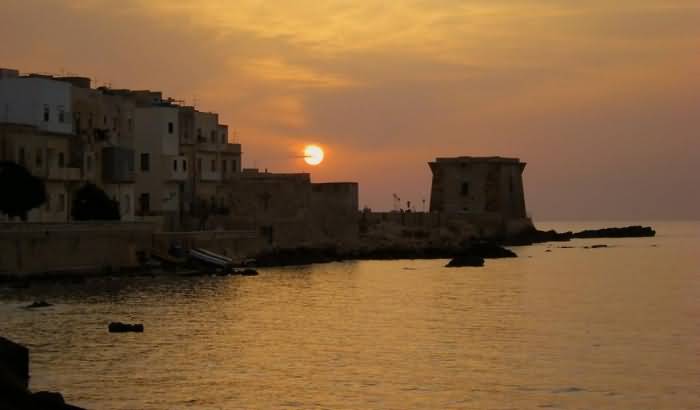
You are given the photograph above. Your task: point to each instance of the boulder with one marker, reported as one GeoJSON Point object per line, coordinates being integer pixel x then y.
{"type": "Point", "coordinates": [39, 304]}
{"type": "Point", "coordinates": [48, 400]}
{"type": "Point", "coordinates": [465, 260]}
{"type": "Point", "coordinates": [119, 327]}
{"type": "Point", "coordinates": [635, 231]}
{"type": "Point", "coordinates": [489, 250]}
{"type": "Point", "coordinates": [14, 363]}
{"type": "Point", "coordinates": [14, 378]}
{"type": "Point", "coordinates": [249, 272]}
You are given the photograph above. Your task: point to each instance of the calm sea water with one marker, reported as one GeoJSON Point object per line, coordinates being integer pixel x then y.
{"type": "Point", "coordinates": [613, 328]}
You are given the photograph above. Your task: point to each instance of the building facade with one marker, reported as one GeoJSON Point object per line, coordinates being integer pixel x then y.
{"type": "Point", "coordinates": [478, 185]}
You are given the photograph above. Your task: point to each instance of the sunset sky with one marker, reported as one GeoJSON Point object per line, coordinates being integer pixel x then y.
{"type": "Point", "coordinates": [600, 98]}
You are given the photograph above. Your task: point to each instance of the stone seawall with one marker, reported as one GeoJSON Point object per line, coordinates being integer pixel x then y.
{"type": "Point", "coordinates": [29, 248]}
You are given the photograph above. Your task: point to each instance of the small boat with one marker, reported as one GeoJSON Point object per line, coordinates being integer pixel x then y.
{"type": "Point", "coordinates": [211, 258]}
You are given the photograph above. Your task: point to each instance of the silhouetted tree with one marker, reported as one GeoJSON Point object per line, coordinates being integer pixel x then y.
{"type": "Point", "coordinates": [20, 191]}
{"type": "Point", "coordinates": [91, 203]}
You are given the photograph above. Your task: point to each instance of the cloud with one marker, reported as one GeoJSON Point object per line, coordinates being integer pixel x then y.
{"type": "Point", "coordinates": [581, 90]}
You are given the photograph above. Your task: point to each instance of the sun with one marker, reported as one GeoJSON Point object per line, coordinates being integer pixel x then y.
{"type": "Point", "coordinates": [313, 154]}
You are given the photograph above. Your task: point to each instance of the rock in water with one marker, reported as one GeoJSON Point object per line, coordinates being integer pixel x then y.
{"type": "Point", "coordinates": [119, 327]}
{"type": "Point", "coordinates": [626, 232]}
{"type": "Point", "coordinates": [465, 260]}
{"type": "Point", "coordinates": [249, 272]}
{"type": "Point", "coordinates": [39, 304]}
{"type": "Point", "coordinates": [488, 250]}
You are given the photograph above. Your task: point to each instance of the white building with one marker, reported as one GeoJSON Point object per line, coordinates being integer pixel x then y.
{"type": "Point", "coordinates": [38, 101]}
{"type": "Point", "coordinates": [160, 169]}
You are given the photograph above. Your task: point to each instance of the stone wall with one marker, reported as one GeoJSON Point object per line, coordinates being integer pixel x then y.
{"type": "Point", "coordinates": [29, 248]}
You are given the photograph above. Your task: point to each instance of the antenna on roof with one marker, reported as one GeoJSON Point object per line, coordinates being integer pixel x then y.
{"type": "Point", "coordinates": [397, 202]}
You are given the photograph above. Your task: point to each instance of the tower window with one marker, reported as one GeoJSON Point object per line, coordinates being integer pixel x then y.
{"type": "Point", "coordinates": [47, 113]}
{"type": "Point", "coordinates": [145, 162]}
{"type": "Point", "coordinates": [465, 188]}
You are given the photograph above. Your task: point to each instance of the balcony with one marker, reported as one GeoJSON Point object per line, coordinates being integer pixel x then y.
{"type": "Point", "coordinates": [63, 174]}
{"type": "Point", "coordinates": [208, 146]}
{"type": "Point", "coordinates": [231, 148]}
{"type": "Point", "coordinates": [118, 165]}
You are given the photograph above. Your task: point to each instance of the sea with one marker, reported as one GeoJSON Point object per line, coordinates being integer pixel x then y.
{"type": "Point", "coordinates": [563, 326]}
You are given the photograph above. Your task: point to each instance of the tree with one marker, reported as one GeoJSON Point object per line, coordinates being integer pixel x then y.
{"type": "Point", "coordinates": [92, 204]}
{"type": "Point", "coordinates": [20, 191]}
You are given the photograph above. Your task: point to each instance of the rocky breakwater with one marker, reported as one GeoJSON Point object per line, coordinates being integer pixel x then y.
{"type": "Point", "coordinates": [534, 235]}
{"type": "Point", "coordinates": [475, 254]}
{"type": "Point", "coordinates": [305, 256]}
{"type": "Point", "coordinates": [14, 382]}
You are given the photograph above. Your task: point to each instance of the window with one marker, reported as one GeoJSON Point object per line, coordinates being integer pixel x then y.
{"type": "Point", "coordinates": [130, 124]}
{"type": "Point", "coordinates": [76, 119]}
{"type": "Point", "coordinates": [104, 121]}
{"type": "Point", "coordinates": [184, 165]}
{"type": "Point", "coordinates": [48, 202]}
{"type": "Point", "coordinates": [47, 113]}
{"type": "Point", "coordinates": [465, 188]}
{"type": "Point", "coordinates": [174, 165]}
{"type": "Point", "coordinates": [223, 165]}
{"type": "Point", "coordinates": [213, 137]}
{"type": "Point", "coordinates": [115, 123]}
{"type": "Point", "coordinates": [61, 115]}
{"type": "Point", "coordinates": [170, 128]}
{"type": "Point", "coordinates": [199, 133]}
{"type": "Point", "coordinates": [145, 162]}
{"type": "Point", "coordinates": [61, 203]}
{"type": "Point", "coordinates": [145, 202]}
{"type": "Point", "coordinates": [21, 156]}
{"type": "Point", "coordinates": [127, 204]}
{"type": "Point", "coordinates": [61, 160]}
{"type": "Point", "coordinates": [223, 138]}
{"type": "Point", "coordinates": [90, 120]}
{"type": "Point", "coordinates": [199, 165]}
{"type": "Point", "coordinates": [39, 158]}
{"type": "Point", "coordinates": [213, 165]}
{"type": "Point", "coordinates": [89, 164]}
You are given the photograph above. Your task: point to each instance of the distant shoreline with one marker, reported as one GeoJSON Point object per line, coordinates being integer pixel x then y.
{"type": "Point", "coordinates": [303, 256]}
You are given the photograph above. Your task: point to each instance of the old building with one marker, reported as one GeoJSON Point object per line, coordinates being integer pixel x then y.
{"type": "Point", "coordinates": [36, 132]}
{"type": "Point", "coordinates": [214, 158]}
{"type": "Point", "coordinates": [288, 210]}
{"type": "Point", "coordinates": [104, 141]}
{"type": "Point", "coordinates": [479, 186]}
{"type": "Point", "coordinates": [160, 171]}
{"type": "Point", "coordinates": [45, 155]}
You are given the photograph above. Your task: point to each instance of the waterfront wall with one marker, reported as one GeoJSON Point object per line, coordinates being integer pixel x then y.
{"type": "Point", "coordinates": [29, 248]}
{"type": "Point", "coordinates": [434, 229]}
